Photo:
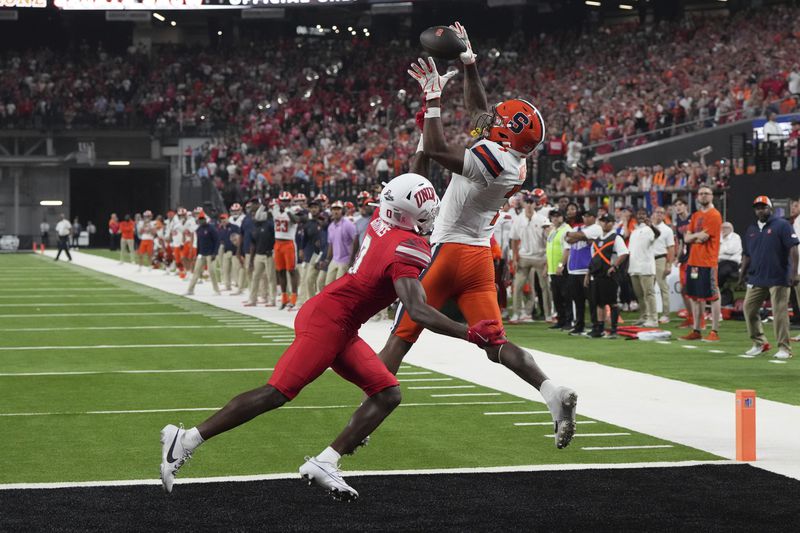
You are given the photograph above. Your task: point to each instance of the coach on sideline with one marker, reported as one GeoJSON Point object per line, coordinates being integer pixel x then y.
{"type": "Point", "coordinates": [769, 260]}
{"type": "Point", "coordinates": [207, 249]}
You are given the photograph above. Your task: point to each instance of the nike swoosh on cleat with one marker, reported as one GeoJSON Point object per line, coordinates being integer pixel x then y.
{"type": "Point", "coordinates": [170, 458]}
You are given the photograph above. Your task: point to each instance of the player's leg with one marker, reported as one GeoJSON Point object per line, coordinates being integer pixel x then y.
{"type": "Point", "coordinates": [198, 271]}
{"type": "Point", "coordinates": [313, 350]}
{"type": "Point", "coordinates": [478, 302]}
{"type": "Point", "coordinates": [358, 364]}
{"type": "Point", "coordinates": [211, 262]}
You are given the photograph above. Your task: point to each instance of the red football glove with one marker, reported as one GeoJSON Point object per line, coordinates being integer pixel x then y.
{"type": "Point", "coordinates": [487, 333]}
{"type": "Point", "coordinates": [421, 118]}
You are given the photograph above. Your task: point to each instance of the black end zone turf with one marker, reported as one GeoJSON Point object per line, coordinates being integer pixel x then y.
{"type": "Point", "coordinates": [702, 498]}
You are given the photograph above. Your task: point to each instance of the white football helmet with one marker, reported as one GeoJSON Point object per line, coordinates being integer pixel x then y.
{"type": "Point", "coordinates": [410, 202]}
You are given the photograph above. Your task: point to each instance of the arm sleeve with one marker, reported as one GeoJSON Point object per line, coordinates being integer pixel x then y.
{"type": "Point", "coordinates": [399, 270]}
{"type": "Point", "coordinates": [413, 252]}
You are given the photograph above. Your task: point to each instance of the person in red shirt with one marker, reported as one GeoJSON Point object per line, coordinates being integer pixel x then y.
{"type": "Point", "coordinates": [388, 265]}
{"type": "Point", "coordinates": [113, 232]}
{"type": "Point", "coordinates": [127, 230]}
{"type": "Point", "coordinates": [704, 234]}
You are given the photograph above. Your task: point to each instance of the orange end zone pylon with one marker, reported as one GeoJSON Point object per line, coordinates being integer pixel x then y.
{"type": "Point", "coordinates": [745, 425]}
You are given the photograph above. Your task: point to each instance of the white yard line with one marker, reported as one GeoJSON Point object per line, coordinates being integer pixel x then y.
{"type": "Point", "coordinates": [583, 435]}
{"type": "Point", "coordinates": [551, 423]}
{"type": "Point", "coordinates": [356, 473]}
{"type": "Point", "coordinates": [102, 328]}
{"type": "Point", "coordinates": [672, 410]}
{"type": "Point", "coordinates": [417, 380]}
{"type": "Point", "coordinates": [45, 316]}
{"type": "Point", "coordinates": [182, 409]}
{"type": "Point", "coordinates": [65, 289]}
{"type": "Point", "coordinates": [465, 394]}
{"type": "Point", "coordinates": [138, 346]}
{"type": "Point", "coordinates": [163, 371]}
{"type": "Point", "coordinates": [414, 373]}
{"type": "Point", "coordinates": [437, 387]}
{"type": "Point", "coordinates": [498, 413]}
{"type": "Point", "coordinates": [79, 304]}
{"type": "Point", "coordinates": [606, 448]}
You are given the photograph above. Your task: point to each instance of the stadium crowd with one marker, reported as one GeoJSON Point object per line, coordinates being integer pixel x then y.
{"type": "Point", "coordinates": [604, 90]}
{"type": "Point", "coordinates": [548, 256]}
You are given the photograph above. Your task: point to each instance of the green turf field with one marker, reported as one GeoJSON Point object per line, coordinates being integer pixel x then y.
{"type": "Point", "coordinates": [716, 365]}
{"type": "Point", "coordinates": [89, 412]}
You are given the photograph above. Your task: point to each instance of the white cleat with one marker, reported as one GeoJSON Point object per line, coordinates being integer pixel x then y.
{"type": "Point", "coordinates": [782, 354]}
{"type": "Point", "coordinates": [173, 455]}
{"type": "Point", "coordinates": [565, 419]}
{"type": "Point", "coordinates": [329, 477]}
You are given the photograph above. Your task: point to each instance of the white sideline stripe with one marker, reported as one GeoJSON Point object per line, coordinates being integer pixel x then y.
{"type": "Point", "coordinates": [594, 435]}
{"type": "Point", "coordinates": [443, 387]}
{"type": "Point", "coordinates": [117, 346]}
{"type": "Point", "coordinates": [688, 346]}
{"type": "Point", "coordinates": [428, 471]}
{"type": "Point", "coordinates": [185, 409]}
{"type": "Point", "coordinates": [48, 315]}
{"type": "Point", "coordinates": [716, 351]}
{"type": "Point", "coordinates": [413, 373]}
{"type": "Point", "coordinates": [424, 379]}
{"type": "Point", "coordinates": [68, 289]}
{"type": "Point", "coordinates": [19, 296]}
{"type": "Point", "coordinates": [550, 423]}
{"type": "Point", "coordinates": [465, 394]}
{"type": "Point", "coordinates": [166, 371]}
{"type": "Point", "coordinates": [86, 304]}
{"type": "Point", "coordinates": [517, 413]}
{"type": "Point", "coordinates": [100, 328]}
{"type": "Point", "coordinates": [777, 362]}
{"type": "Point", "coordinates": [603, 448]}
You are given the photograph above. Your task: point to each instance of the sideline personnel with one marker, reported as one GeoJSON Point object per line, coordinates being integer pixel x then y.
{"type": "Point", "coordinates": [770, 263]}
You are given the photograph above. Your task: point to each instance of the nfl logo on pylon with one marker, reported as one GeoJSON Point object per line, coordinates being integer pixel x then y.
{"type": "Point", "coordinates": [748, 402]}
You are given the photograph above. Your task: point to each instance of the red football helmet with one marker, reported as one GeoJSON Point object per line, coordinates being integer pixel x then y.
{"type": "Point", "coordinates": [285, 196]}
{"type": "Point", "coordinates": [322, 198]}
{"type": "Point", "coordinates": [300, 197]}
{"type": "Point", "coordinates": [350, 206]}
{"type": "Point", "coordinates": [515, 124]}
{"type": "Point", "coordinates": [363, 195]}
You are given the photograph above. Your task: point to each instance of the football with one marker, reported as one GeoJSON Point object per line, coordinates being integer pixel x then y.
{"type": "Point", "coordinates": [442, 42]}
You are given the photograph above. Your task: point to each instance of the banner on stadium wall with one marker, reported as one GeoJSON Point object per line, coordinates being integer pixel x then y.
{"type": "Point", "coordinates": [187, 5]}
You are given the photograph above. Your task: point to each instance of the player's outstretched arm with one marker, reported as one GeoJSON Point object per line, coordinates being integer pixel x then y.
{"type": "Point", "coordinates": [434, 143]}
{"type": "Point", "coordinates": [412, 294]}
{"type": "Point", "coordinates": [474, 93]}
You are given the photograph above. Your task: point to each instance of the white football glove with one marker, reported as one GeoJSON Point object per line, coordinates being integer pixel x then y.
{"type": "Point", "coordinates": [469, 56]}
{"type": "Point", "coordinates": [429, 79]}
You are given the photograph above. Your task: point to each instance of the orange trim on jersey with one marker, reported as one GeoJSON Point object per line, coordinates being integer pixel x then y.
{"type": "Point", "coordinates": [488, 159]}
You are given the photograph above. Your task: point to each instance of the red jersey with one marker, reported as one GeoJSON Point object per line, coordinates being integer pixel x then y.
{"type": "Point", "coordinates": [387, 254]}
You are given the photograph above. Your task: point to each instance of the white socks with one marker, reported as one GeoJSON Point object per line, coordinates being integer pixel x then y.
{"type": "Point", "coordinates": [329, 455]}
{"type": "Point", "coordinates": [191, 439]}
{"type": "Point", "coordinates": [549, 391]}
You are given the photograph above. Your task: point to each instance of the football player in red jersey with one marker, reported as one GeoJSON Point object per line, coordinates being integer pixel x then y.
{"type": "Point", "coordinates": [392, 256]}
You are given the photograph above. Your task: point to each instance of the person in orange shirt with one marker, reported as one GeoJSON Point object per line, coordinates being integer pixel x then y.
{"type": "Point", "coordinates": [704, 233]}
{"type": "Point", "coordinates": [126, 244]}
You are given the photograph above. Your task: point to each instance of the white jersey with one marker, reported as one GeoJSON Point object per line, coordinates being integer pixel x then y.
{"type": "Point", "coordinates": [146, 230]}
{"type": "Point", "coordinates": [285, 229]}
{"type": "Point", "coordinates": [236, 220]}
{"type": "Point", "coordinates": [502, 230]}
{"type": "Point", "coordinates": [189, 229]}
{"type": "Point", "coordinates": [469, 208]}
{"type": "Point", "coordinates": [176, 232]}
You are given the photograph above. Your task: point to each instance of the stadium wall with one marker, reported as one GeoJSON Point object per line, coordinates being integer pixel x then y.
{"type": "Point", "coordinates": [25, 188]}
{"type": "Point", "coordinates": [781, 187]}
{"type": "Point", "coordinates": [667, 151]}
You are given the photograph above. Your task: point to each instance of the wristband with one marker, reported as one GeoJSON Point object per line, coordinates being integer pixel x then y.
{"type": "Point", "coordinates": [433, 112]}
{"type": "Point", "coordinates": [433, 95]}
{"type": "Point", "coordinates": [419, 145]}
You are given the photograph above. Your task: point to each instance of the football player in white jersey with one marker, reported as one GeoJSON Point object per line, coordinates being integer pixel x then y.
{"type": "Point", "coordinates": [147, 234]}
{"type": "Point", "coordinates": [285, 216]}
{"type": "Point", "coordinates": [485, 175]}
